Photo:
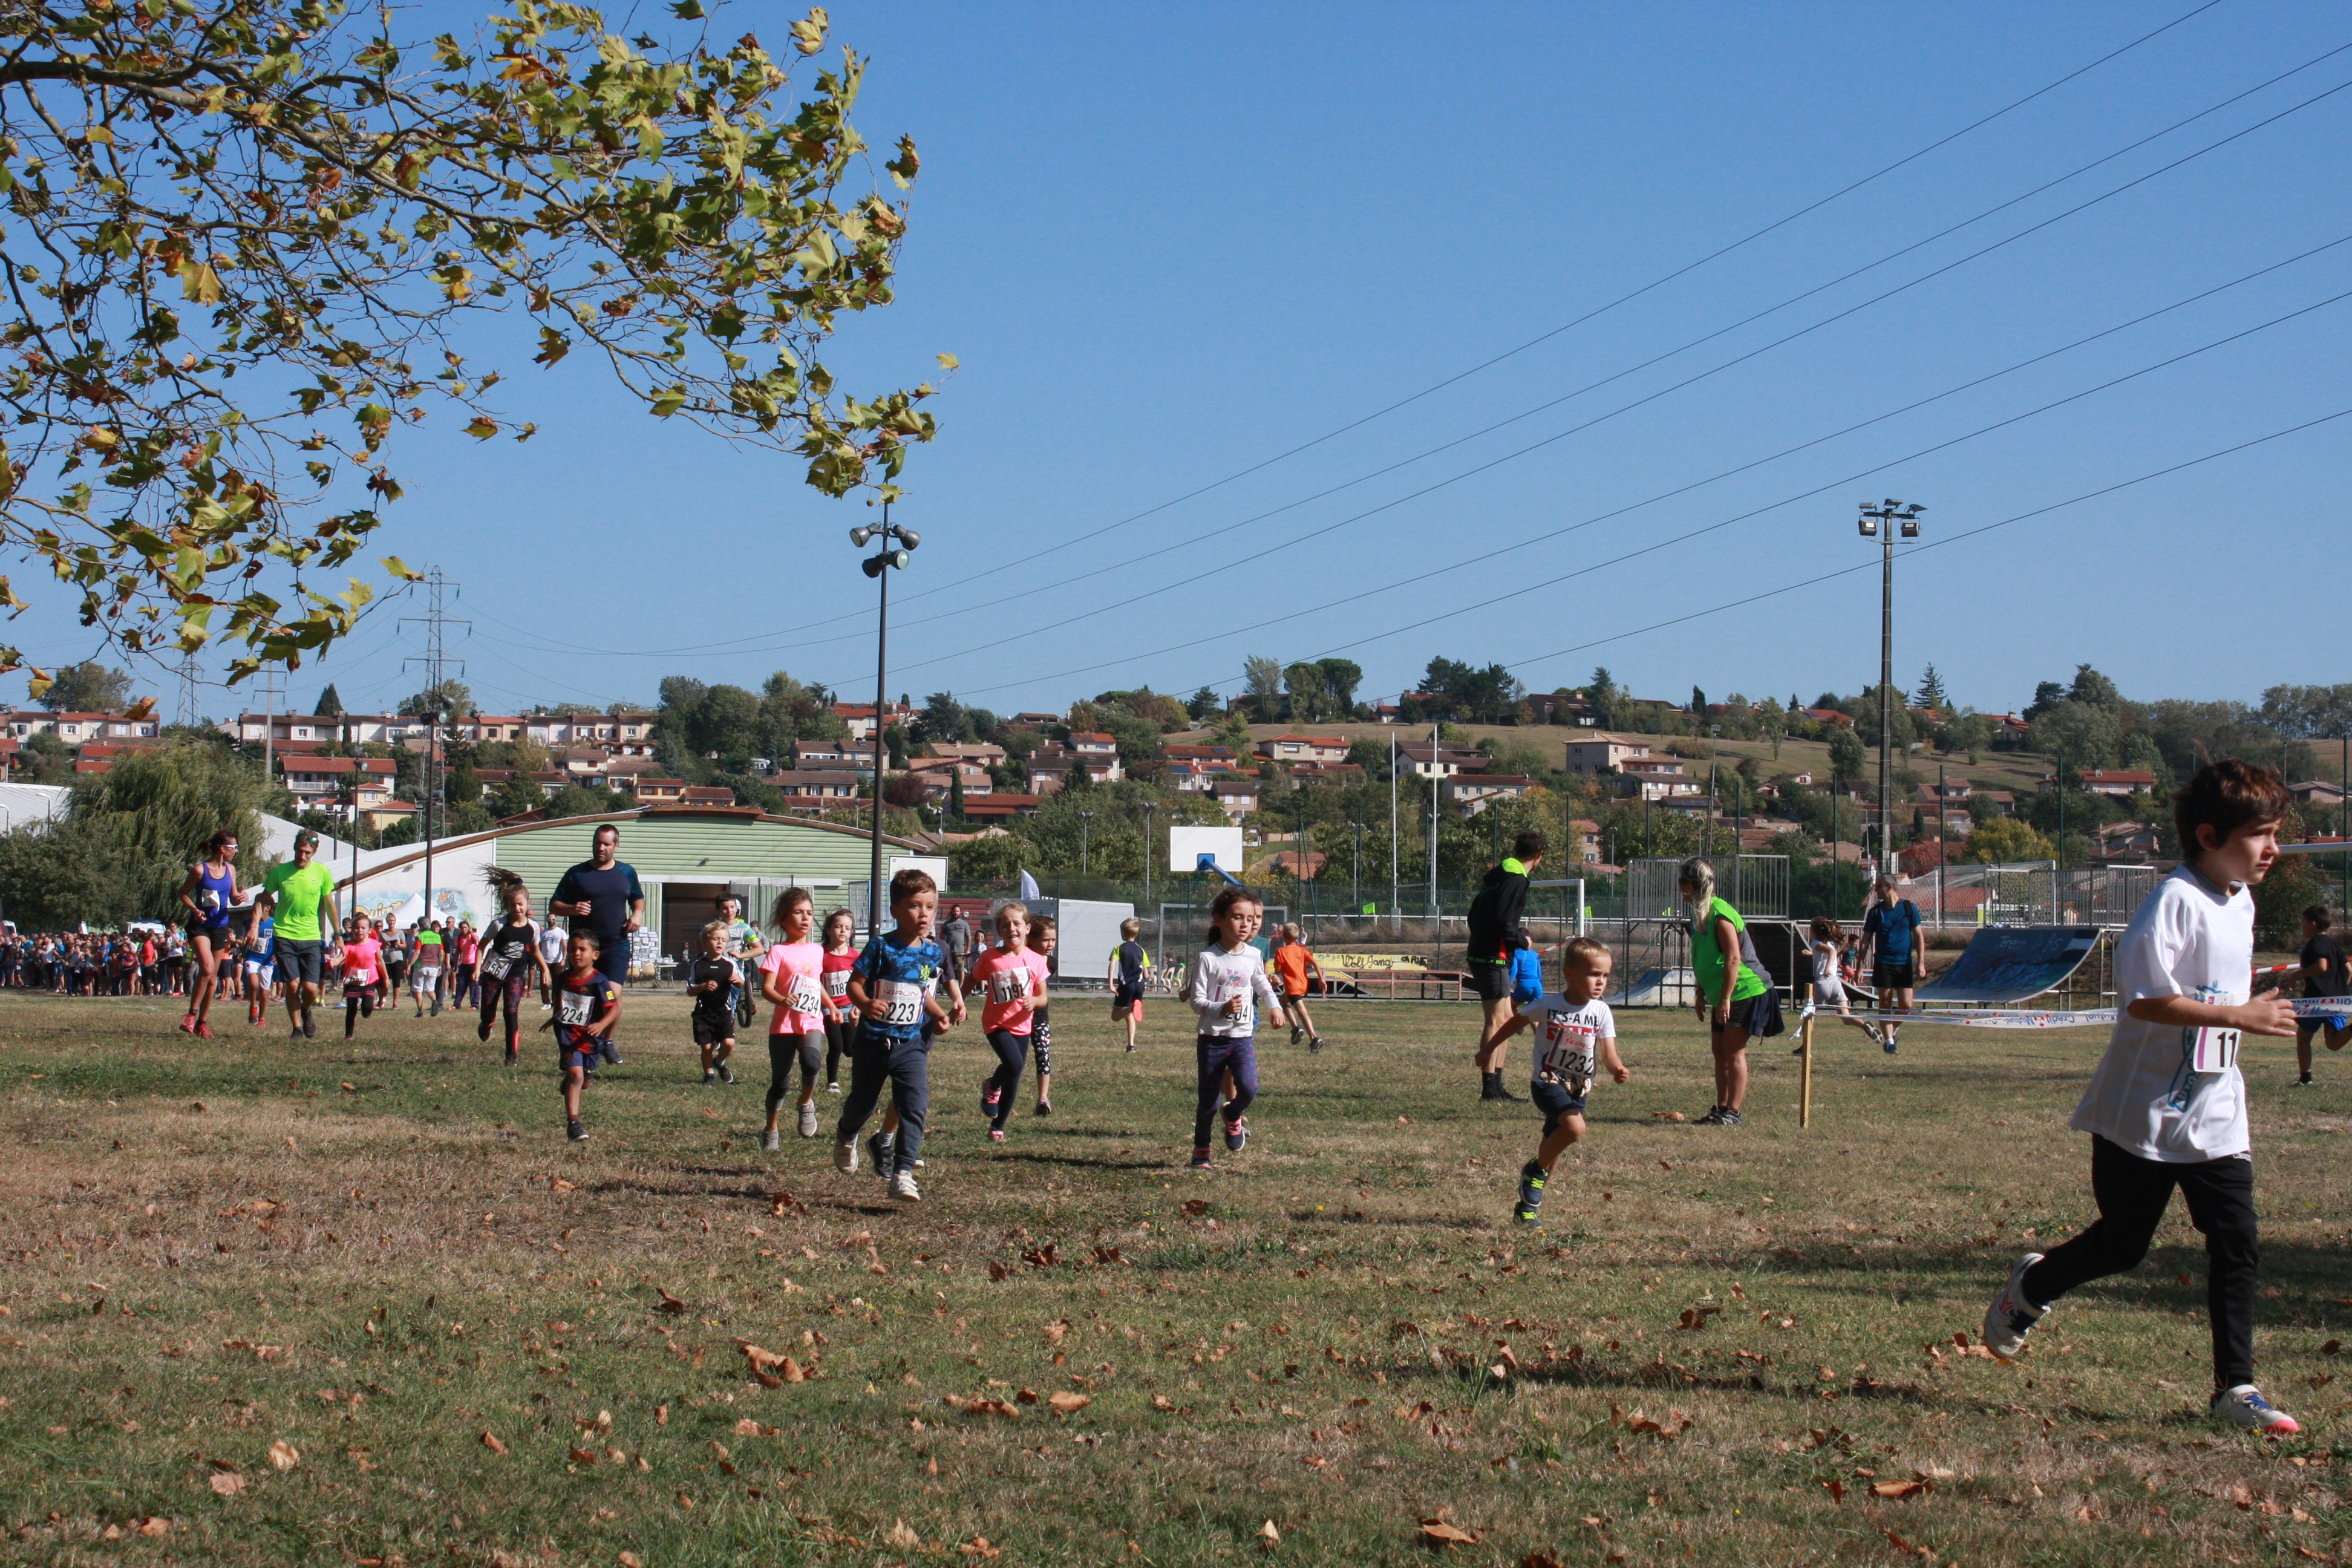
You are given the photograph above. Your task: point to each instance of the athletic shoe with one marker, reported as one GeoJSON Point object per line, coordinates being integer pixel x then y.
{"type": "Point", "coordinates": [2012, 1316]}
{"type": "Point", "coordinates": [1532, 1177]}
{"type": "Point", "coordinates": [420, 1012]}
{"type": "Point", "coordinates": [844, 1156]}
{"type": "Point", "coordinates": [612, 1058]}
{"type": "Point", "coordinates": [1727, 1117]}
{"type": "Point", "coordinates": [902, 1187]}
{"type": "Point", "coordinates": [295, 1033]}
{"type": "Point", "coordinates": [1043, 1108]}
{"type": "Point", "coordinates": [188, 1025]}
{"type": "Point", "coordinates": [1315, 1045]}
{"type": "Point", "coordinates": [832, 1089]}
{"type": "Point", "coordinates": [1876, 1036]}
{"type": "Point", "coordinates": [726, 1073]}
{"type": "Point", "coordinates": [436, 1007]}
{"type": "Point", "coordinates": [2303, 1083]}
{"type": "Point", "coordinates": [772, 1141]}
{"type": "Point", "coordinates": [310, 1025]}
{"type": "Point", "coordinates": [1490, 1086]}
{"type": "Point", "coordinates": [1201, 1160]}
{"type": "Point", "coordinates": [882, 1149]}
{"type": "Point", "coordinates": [1887, 1042]}
{"type": "Point", "coordinates": [1501, 1092]}
{"type": "Point", "coordinates": [996, 1134]}
{"type": "Point", "coordinates": [710, 1076]}
{"type": "Point", "coordinates": [513, 1056]}
{"type": "Point", "coordinates": [808, 1120]}
{"type": "Point", "coordinates": [2245, 1406]}
{"type": "Point", "coordinates": [1713, 1118]}
{"type": "Point", "coordinates": [989, 1095]}
{"type": "Point", "coordinates": [576, 1133]}
{"type": "Point", "coordinates": [482, 1031]}
{"type": "Point", "coordinates": [1295, 1032]}
{"type": "Point", "coordinates": [1237, 1134]}
{"type": "Point", "coordinates": [205, 1031]}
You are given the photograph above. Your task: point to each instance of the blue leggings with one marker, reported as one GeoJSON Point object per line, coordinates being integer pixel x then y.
{"type": "Point", "coordinates": [1215, 1054]}
{"type": "Point", "coordinates": [1011, 1055]}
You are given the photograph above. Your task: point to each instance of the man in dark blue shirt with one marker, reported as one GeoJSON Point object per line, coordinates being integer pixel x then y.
{"type": "Point", "coordinates": [1892, 926]}
{"type": "Point", "coordinates": [601, 895]}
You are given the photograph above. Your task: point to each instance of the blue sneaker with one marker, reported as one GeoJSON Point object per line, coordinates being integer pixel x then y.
{"type": "Point", "coordinates": [1237, 1134]}
{"type": "Point", "coordinates": [990, 1098]}
{"type": "Point", "coordinates": [1531, 1192]}
{"type": "Point", "coordinates": [2245, 1406]}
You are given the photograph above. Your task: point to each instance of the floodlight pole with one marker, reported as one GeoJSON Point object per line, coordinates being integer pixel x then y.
{"type": "Point", "coordinates": [1883, 521]}
{"type": "Point", "coordinates": [895, 543]}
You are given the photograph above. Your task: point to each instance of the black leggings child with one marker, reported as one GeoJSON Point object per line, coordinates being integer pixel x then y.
{"type": "Point", "coordinates": [357, 1005]}
{"type": "Point", "coordinates": [838, 1033]}
{"type": "Point", "coordinates": [511, 990]}
{"type": "Point", "coordinates": [782, 1051]}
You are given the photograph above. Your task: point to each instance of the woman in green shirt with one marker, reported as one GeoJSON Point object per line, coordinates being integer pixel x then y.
{"type": "Point", "coordinates": [1735, 999]}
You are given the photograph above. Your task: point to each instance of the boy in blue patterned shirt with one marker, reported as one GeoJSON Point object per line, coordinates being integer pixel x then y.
{"type": "Point", "coordinates": [892, 988]}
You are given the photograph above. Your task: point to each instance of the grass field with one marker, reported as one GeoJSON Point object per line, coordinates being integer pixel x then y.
{"type": "Point", "coordinates": [276, 1302]}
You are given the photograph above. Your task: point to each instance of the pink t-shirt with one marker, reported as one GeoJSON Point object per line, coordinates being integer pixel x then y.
{"type": "Point", "coordinates": [1005, 982]}
{"type": "Point", "coordinates": [799, 968]}
{"type": "Point", "coordinates": [360, 962]}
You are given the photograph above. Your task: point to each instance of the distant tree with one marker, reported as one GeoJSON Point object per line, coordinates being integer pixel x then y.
{"type": "Point", "coordinates": [2005, 839]}
{"type": "Point", "coordinates": [449, 698]}
{"type": "Point", "coordinates": [329, 705]}
{"type": "Point", "coordinates": [906, 791]}
{"type": "Point", "coordinates": [86, 688]}
{"type": "Point", "coordinates": [1203, 705]}
{"type": "Point", "coordinates": [2084, 733]}
{"type": "Point", "coordinates": [955, 795]}
{"type": "Point", "coordinates": [2096, 689]}
{"type": "Point", "coordinates": [1847, 756]}
{"type": "Point", "coordinates": [1698, 703]}
{"type": "Point", "coordinates": [943, 719]}
{"type": "Point", "coordinates": [681, 692]}
{"type": "Point", "coordinates": [515, 797]}
{"type": "Point", "coordinates": [1262, 677]}
{"type": "Point", "coordinates": [2046, 696]}
{"type": "Point", "coordinates": [1931, 693]}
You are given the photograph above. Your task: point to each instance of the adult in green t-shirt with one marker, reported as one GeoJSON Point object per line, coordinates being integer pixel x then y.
{"type": "Point", "coordinates": [301, 895]}
{"type": "Point", "coordinates": [1735, 999]}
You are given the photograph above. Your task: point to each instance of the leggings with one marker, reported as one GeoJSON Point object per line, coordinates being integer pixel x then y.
{"type": "Point", "coordinates": [1012, 1054]}
{"type": "Point", "coordinates": [2132, 1195]}
{"type": "Point", "coordinates": [357, 1005]}
{"type": "Point", "coordinates": [1041, 1037]}
{"type": "Point", "coordinates": [1216, 1053]}
{"type": "Point", "coordinates": [781, 1051]}
{"type": "Point", "coordinates": [512, 989]}
{"type": "Point", "coordinates": [838, 1033]}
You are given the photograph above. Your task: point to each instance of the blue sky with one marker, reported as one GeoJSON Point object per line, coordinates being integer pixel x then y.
{"type": "Point", "coordinates": [1170, 244]}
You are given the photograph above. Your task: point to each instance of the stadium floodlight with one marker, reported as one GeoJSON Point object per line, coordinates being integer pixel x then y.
{"type": "Point", "coordinates": [859, 536]}
{"type": "Point", "coordinates": [910, 539]}
{"type": "Point", "coordinates": [1869, 525]}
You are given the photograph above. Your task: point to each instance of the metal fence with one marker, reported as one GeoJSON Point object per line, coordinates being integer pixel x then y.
{"type": "Point", "coordinates": [2033, 894]}
{"type": "Point", "coordinates": [1754, 885]}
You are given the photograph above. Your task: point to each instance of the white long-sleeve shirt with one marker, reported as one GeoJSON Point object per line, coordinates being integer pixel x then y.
{"type": "Point", "coordinates": [1219, 974]}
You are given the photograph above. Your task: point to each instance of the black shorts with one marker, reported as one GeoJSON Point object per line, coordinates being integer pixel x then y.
{"type": "Point", "coordinates": [1892, 977]}
{"type": "Point", "coordinates": [301, 962]}
{"type": "Point", "coordinates": [1553, 1098]}
{"type": "Point", "coordinates": [613, 961]}
{"type": "Point", "coordinates": [1490, 982]}
{"type": "Point", "coordinates": [711, 1031]}
{"type": "Point", "coordinates": [1759, 1014]}
{"type": "Point", "coordinates": [1123, 997]}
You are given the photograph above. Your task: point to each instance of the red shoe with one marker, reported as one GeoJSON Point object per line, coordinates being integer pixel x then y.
{"type": "Point", "coordinates": [204, 1032]}
{"type": "Point", "coordinates": [188, 1025]}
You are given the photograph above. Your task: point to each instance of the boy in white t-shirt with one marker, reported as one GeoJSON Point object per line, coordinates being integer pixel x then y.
{"type": "Point", "coordinates": [1575, 1036]}
{"type": "Point", "coordinates": [2166, 1106]}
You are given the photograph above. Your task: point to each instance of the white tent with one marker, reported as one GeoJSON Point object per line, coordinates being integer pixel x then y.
{"type": "Point", "coordinates": [409, 913]}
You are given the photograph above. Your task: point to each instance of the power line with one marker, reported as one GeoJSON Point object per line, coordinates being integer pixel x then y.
{"type": "Point", "coordinates": [1490, 601]}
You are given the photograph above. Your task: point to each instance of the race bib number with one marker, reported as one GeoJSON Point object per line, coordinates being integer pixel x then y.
{"type": "Point", "coordinates": [573, 1007]}
{"type": "Point", "coordinates": [495, 965]}
{"type": "Point", "coordinates": [804, 996]}
{"type": "Point", "coordinates": [902, 1004]}
{"type": "Point", "coordinates": [1008, 986]}
{"type": "Point", "coordinates": [2213, 1050]}
{"type": "Point", "coordinates": [837, 983]}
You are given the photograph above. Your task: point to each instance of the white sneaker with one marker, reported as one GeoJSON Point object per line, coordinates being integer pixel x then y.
{"type": "Point", "coordinates": [808, 1120]}
{"type": "Point", "coordinates": [2012, 1316]}
{"type": "Point", "coordinates": [844, 1156]}
{"type": "Point", "coordinates": [770, 1142]}
{"type": "Point", "coordinates": [2245, 1406]}
{"type": "Point", "coordinates": [902, 1185]}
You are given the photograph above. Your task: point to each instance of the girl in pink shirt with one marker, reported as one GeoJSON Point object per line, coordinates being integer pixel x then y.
{"type": "Point", "coordinates": [1011, 979]}
{"type": "Point", "coordinates": [791, 977]}
{"type": "Point", "coordinates": [362, 973]}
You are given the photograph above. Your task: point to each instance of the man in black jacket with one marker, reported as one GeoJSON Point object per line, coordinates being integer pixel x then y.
{"type": "Point", "coordinates": [1493, 936]}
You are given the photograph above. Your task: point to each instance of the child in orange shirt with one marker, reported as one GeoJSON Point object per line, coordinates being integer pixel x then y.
{"type": "Point", "coordinates": [1292, 965]}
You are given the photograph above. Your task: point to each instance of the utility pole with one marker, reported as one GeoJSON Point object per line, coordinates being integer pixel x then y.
{"type": "Point", "coordinates": [1433, 770]}
{"type": "Point", "coordinates": [1396, 867]}
{"type": "Point", "coordinates": [269, 726]}
{"type": "Point", "coordinates": [1150, 839]}
{"type": "Point", "coordinates": [435, 660]}
{"type": "Point", "coordinates": [1085, 825]}
{"type": "Point", "coordinates": [1882, 523]}
{"type": "Point", "coordinates": [1356, 872]}
{"type": "Point", "coordinates": [188, 715]}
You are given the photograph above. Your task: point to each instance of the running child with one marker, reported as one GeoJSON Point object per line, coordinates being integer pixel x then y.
{"type": "Point", "coordinates": [711, 982]}
{"type": "Point", "coordinates": [424, 969]}
{"type": "Point", "coordinates": [1045, 935]}
{"type": "Point", "coordinates": [1229, 986]}
{"type": "Point", "coordinates": [891, 987]}
{"type": "Point", "coordinates": [1828, 947]}
{"type": "Point", "coordinates": [507, 958]}
{"type": "Point", "coordinates": [743, 945]}
{"type": "Point", "coordinates": [1129, 976]}
{"type": "Point", "coordinates": [207, 895]}
{"type": "Point", "coordinates": [1576, 1036]}
{"type": "Point", "coordinates": [1010, 980]}
{"type": "Point", "coordinates": [362, 973]}
{"type": "Point", "coordinates": [1296, 967]}
{"type": "Point", "coordinates": [260, 970]}
{"type": "Point", "coordinates": [553, 945]}
{"type": "Point", "coordinates": [2165, 1107]}
{"type": "Point", "coordinates": [587, 1005]}
{"type": "Point", "coordinates": [396, 958]}
{"type": "Point", "coordinates": [1526, 975]}
{"type": "Point", "coordinates": [2323, 976]}
{"type": "Point", "coordinates": [792, 978]}
{"type": "Point", "coordinates": [840, 1018]}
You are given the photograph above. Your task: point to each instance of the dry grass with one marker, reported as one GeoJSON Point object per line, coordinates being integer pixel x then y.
{"type": "Point", "coordinates": [1715, 1351]}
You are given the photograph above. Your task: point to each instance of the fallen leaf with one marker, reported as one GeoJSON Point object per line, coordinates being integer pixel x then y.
{"type": "Point", "coordinates": [1668, 1116]}
{"type": "Point", "coordinates": [1268, 1537]}
{"type": "Point", "coordinates": [1900, 1489]}
{"type": "Point", "coordinates": [747, 1428]}
{"type": "Point", "coordinates": [901, 1538]}
{"type": "Point", "coordinates": [583, 1456]}
{"type": "Point", "coordinates": [1067, 1403]}
{"type": "Point", "coordinates": [1836, 1489]}
{"type": "Point", "coordinates": [1161, 1402]}
{"type": "Point", "coordinates": [227, 1483]}
{"type": "Point", "coordinates": [1196, 1207]}
{"type": "Point", "coordinates": [669, 1303]}
{"type": "Point", "coordinates": [1440, 1533]}
{"type": "Point", "coordinates": [490, 1441]}
{"type": "Point", "coordinates": [284, 1456]}
{"type": "Point", "coordinates": [154, 1525]}
{"type": "Point", "coordinates": [631, 1559]}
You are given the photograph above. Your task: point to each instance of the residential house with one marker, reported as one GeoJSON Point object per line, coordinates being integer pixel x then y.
{"type": "Point", "coordinates": [998, 809]}
{"type": "Point", "coordinates": [859, 717]}
{"type": "Point", "coordinates": [2317, 792]}
{"type": "Point", "coordinates": [2012, 727]}
{"type": "Point", "coordinates": [1188, 778]}
{"type": "Point", "coordinates": [1837, 718]}
{"type": "Point", "coordinates": [808, 753]}
{"type": "Point", "coordinates": [1441, 759]}
{"type": "Point", "coordinates": [326, 781]}
{"type": "Point", "coordinates": [652, 791]}
{"type": "Point", "coordinates": [76, 728]}
{"type": "Point", "coordinates": [1238, 794]}
{"type": "Point", "coordinates": [2132, 841]}
{"type": "Point", "coordinates": [2109, 782]}
{"type": "Point", "coordinates": [1473, 792]}
{"type": "Point", "coordinates": [1583, 842]}
{"type": "Point", "coordinates": [1325, 772]}
{"type": "Point", "coordinates": [1035, 720]}
{"type": "Point", "coordinates": [983, 754]}
{"type": "Point", "coordinates": [1591, 754]}
{"type": "Point", "coordinates": [705, 795]}
{"type": "Point", "coordinates": [940, 774]}
{"type": "Point", "coordinates": [1562, 707]}
{"type": "Point", "coordinates": [1303, 748]}
{"type": "Point", "coordinates": [1657, 778]}
{"type": "Point", "coordinates": [1306, 866]}
{"type": "Point", "coordinates": [1099, 753]}
{"type": "Point", "coordinates": [1954, 789]}
{"type": "Point", "coordinates": [813, 787]}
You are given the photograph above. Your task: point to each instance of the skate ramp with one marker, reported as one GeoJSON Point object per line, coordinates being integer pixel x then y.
{"type": "Point", "coordinates": [2002, 964]}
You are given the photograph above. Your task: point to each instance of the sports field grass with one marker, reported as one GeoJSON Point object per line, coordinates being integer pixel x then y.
{"type": "Point", "coordinates": [269, 1301]}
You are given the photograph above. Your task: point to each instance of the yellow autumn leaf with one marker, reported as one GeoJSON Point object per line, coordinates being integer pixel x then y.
{"type": "Point", "coordinates": [199, 282]}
